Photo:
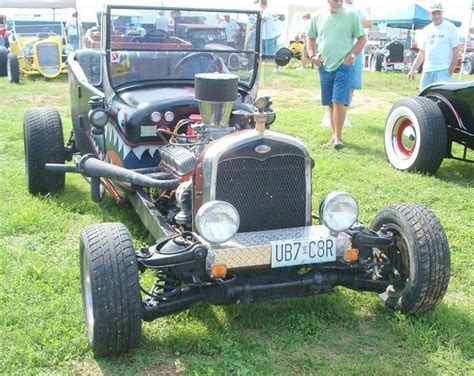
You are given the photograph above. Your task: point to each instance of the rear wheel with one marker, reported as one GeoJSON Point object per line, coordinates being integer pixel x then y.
{"type": "Point", "coordinates": [13, 68]}
{"type": "Point", "coordinates": [415, 135]}
{"type": "Point", "coordinates": [110, 289]}
{"type": "Point", "coordinates": [419, 260]}
{"type": "Point", "coordinates": [3, 61]}
{"type": "Point", "coordinates": [44, 143]}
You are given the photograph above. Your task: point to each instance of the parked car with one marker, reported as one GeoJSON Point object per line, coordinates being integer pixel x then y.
{"type": "Point", "coordinates": [467, 64]}
{"type": "Point", "coordinates": [4, 44]}
{"type": "Point", "coordinates": [4, 33]}
{"type": "Point", "coordinates": [201, 35]}
{"type": "Point", "coordinates": [392, 57]}
{"type": "Point", "coordinates": [420, 131]}
{"type": "Point", "coordinates": [37, 47]}
{"type": "Point", "coordinates": [229, 201]}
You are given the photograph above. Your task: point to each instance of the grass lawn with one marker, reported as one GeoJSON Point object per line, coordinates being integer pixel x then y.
{"type": "Point", "coordinates": [41, 321]}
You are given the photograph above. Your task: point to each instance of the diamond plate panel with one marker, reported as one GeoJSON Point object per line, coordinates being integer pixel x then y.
{"type": "Point", "coordinates": [253, 249]}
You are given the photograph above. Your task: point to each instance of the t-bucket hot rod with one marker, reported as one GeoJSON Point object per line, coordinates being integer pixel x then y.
{"type": "Point", "coordinates": [165, 126]}
{"type": "Point", "coordinates": [37, 47]}
{"type": "Point", "coordinates": [420, 131]}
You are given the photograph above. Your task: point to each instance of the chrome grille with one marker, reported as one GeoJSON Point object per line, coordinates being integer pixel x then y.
{"type": "Point", "coordinates": [268, 194]}
{"type": "Point", "coordinates": [49, 57]}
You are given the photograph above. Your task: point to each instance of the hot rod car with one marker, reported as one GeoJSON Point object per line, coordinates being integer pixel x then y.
{"type": "Point", "coordinates": [392, 57]}
{"type": "Point", "coordinates": [420, 131]}
{"type": "Point", "coordinates": [165, 126]}
{"type": "Point", "coordinates": [37, 47]}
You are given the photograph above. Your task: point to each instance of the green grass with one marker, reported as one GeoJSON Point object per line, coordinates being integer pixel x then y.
{"type": "Point", "coordinates": [41, 322]}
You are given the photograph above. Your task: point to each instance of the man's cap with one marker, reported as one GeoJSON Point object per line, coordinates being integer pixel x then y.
{"type": "Point", "coordinates": [436, 6]}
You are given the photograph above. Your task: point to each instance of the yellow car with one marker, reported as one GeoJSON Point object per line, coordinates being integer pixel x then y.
{"type": "Point", "coordinates": [36, 48]}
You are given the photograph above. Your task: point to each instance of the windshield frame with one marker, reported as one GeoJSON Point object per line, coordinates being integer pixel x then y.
{"type": "Point", "coordinates": [18, 21]}
{"type": "Point", "coordinates": [173, 80]}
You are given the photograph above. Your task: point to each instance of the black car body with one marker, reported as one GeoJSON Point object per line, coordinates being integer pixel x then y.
{"type": "Point", "coordinates": [420, 131]}
{"type": "Point", "coordinates": [228, 201]}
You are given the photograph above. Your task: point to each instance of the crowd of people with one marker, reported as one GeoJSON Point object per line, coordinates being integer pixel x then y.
{"type": "Point", "coordinates": [333, 40]}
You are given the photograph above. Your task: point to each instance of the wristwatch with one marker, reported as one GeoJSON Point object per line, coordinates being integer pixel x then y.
{"type": "Point", "coordinates": [353, 56]}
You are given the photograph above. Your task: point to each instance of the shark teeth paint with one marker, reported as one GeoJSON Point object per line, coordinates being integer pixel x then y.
{"type": "Point", "coordinates": [114, 142]}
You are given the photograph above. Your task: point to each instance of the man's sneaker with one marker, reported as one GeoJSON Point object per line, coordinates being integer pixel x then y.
{"type": "Point", "coordinates": [326, 123]}
{"type": "Point", "coordinates": [338, 144]}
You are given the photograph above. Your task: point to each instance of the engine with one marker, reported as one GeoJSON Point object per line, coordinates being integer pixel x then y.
{"type": "Point", "coordinates": [265, 175]}
{"type": "Point", "coordinates": [216, 95]}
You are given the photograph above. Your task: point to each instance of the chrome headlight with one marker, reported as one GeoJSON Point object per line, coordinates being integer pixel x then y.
{"type": "Point", "coordinates": [338, 211]}
{"type": "Point", "coordinates": [98, 117]}
{"type": "Point", "coordinates": [386, 52]}
{"type": "Point", "coordinates": [217, 221]}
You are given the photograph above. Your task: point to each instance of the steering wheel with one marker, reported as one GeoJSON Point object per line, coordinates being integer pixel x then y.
{"type": "Point", "coordinates": [48, 30]}
{"type": "Point", "coordinates": [156, 33]}
{"type": "Point", "coordinates": [198, 62]}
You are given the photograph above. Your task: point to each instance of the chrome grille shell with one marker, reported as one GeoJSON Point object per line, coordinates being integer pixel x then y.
{"type": "Point", "coordinates": [271, 190]}
{"type": "Point", "coordinates": [48, 55]}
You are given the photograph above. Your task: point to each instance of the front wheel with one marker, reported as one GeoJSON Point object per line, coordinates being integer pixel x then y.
{"type": "Point", "coordinates": [110, 289]}
{"type": "Point", "coordinates": [44, 143]}
{"type": "Point", "coordinates": [419, 261]}
{"type": "Point", "coordinates": [13, 68]}
{"type": "Point", "coordinates": [415, 135]}
{"type": "Point", "coordinates": [3, 61]}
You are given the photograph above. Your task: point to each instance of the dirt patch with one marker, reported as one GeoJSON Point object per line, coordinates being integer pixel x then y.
{"type": "Point", "coordinates": [361, 103]}
{"type": "Point", "coordinates": [290, 97]}
{"type": "Point", "coordinates": [168, 368]}
{"type": "Point", "coordinates": [87, 367]}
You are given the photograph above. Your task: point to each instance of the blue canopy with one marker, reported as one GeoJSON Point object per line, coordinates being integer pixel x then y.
{"type": "Point", "coordinates": [413, 17]}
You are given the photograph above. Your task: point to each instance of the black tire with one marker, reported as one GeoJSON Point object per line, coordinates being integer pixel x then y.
{"type": "Point", "coordinates": [110, 289]}
{"type": "Point", "coordinates": [467, 67]}
{"type": "Point", "coordinates": [44, 143]}
{"type": "Point", "coordinates": [376, 60]}
{"type": "Point", "coordinates": [13, 68]}
{"type": "Point", "coordinates": [421, 256]}
{"type": "Point", "coordinates": [415, 135]}
{"type": "Point", "coordinates": [3, 61]}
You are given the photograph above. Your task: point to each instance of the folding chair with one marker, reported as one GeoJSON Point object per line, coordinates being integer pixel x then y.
{"type": "Point", "coordinates": [296, 48]}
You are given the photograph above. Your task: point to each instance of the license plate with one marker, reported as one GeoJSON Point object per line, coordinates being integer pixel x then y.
{"type": "Point", "coordinates": [303, 251]}
{"type": "Point", "coordinates": [399, 66]}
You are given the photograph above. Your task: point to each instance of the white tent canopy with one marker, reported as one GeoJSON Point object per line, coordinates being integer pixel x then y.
{"type": "Point", "coordinates": [38, 4]}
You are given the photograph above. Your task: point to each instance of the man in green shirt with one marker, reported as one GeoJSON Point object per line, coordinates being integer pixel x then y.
{"type": "Point", "coordinates": [331, 48]}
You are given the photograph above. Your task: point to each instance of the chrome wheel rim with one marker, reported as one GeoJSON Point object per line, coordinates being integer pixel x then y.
{"type": "Point", "coordinates": [404, 138]}
{"type": "Point", "coordinates": [467, 66]}
{"type": "Point", "coordinates": [373, 61]}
